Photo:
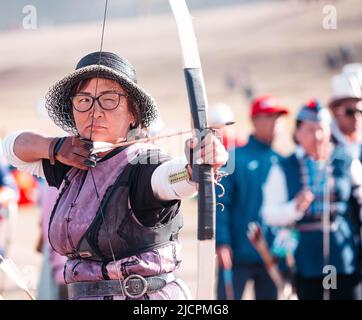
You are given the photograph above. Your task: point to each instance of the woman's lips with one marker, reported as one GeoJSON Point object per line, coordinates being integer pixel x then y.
{"type": "Point", "coordinates": [96, 127]}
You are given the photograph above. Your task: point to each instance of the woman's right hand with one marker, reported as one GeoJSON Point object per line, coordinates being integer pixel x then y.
{"type": "Point", "coordinates": [75, 152]}
{"type": "Point", "coordinates": [303, 200]}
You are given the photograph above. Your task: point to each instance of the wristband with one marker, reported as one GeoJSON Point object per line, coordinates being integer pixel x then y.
{"type": "Point", "coordinates": [52, 146]}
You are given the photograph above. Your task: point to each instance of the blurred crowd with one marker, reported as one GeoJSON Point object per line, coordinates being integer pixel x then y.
{"type": "Point", "coordinates": [19, 189]}
{"type": "Point", "coordinates": [292, 224]}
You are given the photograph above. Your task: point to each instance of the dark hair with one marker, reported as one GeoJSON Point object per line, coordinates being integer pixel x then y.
{"type": "Point", "coordinates": [298, 123]}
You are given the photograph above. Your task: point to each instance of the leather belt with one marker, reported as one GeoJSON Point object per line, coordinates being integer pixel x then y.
{"type": "Point", "coordinates": [134, 286]}
{"type": "Point", "coordinates": [316, 226]}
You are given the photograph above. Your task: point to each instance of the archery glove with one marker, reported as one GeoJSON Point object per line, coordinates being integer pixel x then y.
{"type": "Point", "coordinates": [72, 151]}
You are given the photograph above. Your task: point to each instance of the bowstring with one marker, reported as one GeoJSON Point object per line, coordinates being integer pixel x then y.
{"type": "Point", "coordinates": [90, 138]}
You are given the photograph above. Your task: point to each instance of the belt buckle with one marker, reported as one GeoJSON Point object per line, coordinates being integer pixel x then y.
{"type": "Point", "coordinates": [144, 285]}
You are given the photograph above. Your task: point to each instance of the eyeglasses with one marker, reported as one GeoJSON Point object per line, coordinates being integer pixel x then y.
{"type": "Point", "coordinates": [350, 112]}
{"type": "Point", "coordinates": [107, 101]}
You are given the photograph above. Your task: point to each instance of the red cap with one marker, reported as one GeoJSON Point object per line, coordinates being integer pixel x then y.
{"type": "Point", "coordinates": [267, 104]}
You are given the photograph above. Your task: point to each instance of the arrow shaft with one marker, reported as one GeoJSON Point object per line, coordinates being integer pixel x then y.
{"type": "Point", "coordinates": [150, 139]}
{"type": "Point", "coordinates": [142, 140]}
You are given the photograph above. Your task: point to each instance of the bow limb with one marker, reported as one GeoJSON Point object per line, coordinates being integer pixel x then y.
{"type": "Point", "coordinates": [10, 269]}
{"type": "Point", "coordinates": [203, 174]}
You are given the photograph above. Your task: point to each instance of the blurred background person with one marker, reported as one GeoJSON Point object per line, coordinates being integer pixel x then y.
{"type": "Point", "coordinates": [8, 205]}
{"type": "Point", "coordinates": [294, 195]}
{"type": "Point", "coordinates": [28, 187]}
{"type": "Point", "coordinates": [220, 114]}
{"type": "Point", "coordinates": [157, 127]}
{"type": "Point", "coordinates": [8, 213]}
{"type": "Point", "coordinates": [346, 107]}
{"type": "Point", "coordinates": [354, 70]}
{"type": "Point", "coordinates": [242, 201]}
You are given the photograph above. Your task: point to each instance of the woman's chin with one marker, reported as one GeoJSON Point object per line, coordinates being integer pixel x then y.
{"type": "Point", "coordinates": [101, 137]}
{"type": "Point", "coordinates": [96, 135]}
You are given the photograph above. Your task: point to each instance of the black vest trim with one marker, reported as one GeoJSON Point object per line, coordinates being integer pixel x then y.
{"type": "Point", "coordinates": [89, 246]}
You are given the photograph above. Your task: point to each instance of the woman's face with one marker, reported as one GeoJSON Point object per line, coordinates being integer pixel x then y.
{"type": "Point", "coordinates": [314, 137]}
{"type": "Point", "coordinates": [267, 126]}
{"type": "Point", "coordinates": [97, 123]}
{"type": "Point", "coordinates": [348, 115]}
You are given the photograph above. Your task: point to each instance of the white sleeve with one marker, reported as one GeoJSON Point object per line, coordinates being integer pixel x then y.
{"type": "Point", "coordinates": [356, 177]}
{"type": "Point", "coordinates": [276, 209]}
{"type": "Point", "coordinates": [33, 168]}
{"type": "Point", "coordinates": [169, 181]}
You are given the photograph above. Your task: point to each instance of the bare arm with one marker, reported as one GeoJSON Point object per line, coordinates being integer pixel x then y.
{"type": "Point", "coordinates": [26, 149]}
{"type": "Point", "coordinates": [32, 146]}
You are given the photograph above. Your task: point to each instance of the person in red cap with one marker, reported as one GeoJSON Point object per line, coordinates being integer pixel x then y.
{"type": "Point", "coordinates": [242, 202]}
{"type": "Point", "coordinates": [265, 112]}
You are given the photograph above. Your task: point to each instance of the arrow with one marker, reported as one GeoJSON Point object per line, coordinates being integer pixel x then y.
{"type": "Point", "coordinates": [101, 146]}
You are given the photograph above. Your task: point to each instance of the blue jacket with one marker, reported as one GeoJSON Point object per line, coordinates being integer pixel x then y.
{"type": "Point", "coordinates": [243, 200]}
{"type": "Point", "coordinates": [309, 253]}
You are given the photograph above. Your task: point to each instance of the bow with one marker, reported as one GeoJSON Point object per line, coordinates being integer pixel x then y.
{"type": "Point", "coordinates": [7, 265]}
{"type": "Point", "coordinates": [203, 174]}
{"type": "Point", "coordinates": [10, 269]}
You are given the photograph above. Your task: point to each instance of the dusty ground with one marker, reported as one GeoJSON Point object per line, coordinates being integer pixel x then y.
{"type": "Point", "coordinates": [279, 47]}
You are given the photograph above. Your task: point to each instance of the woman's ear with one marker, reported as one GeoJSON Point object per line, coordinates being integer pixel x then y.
{"type": "Point", "coordinates": [296, 136]}
{"type": "Point", "coordinates": [333, 111]}
{"type": "Point", "coordinates": [295, 139]}
{"type": "Point", "coordinates": [132, 121]}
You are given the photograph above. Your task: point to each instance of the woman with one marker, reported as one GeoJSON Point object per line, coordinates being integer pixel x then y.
{"type": "Point", "coordinates": [117, 215]}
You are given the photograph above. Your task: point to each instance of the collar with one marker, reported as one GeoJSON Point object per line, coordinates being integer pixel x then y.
{"type": "Point", "coordinates": [112, 153]}
{"type": "Point", "coordinates": [300, 152]}
{"type": "Point", "coordinates": [255, 142]}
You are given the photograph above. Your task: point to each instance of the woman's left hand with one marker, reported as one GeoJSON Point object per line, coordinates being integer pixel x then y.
{"type": "Point", "coordinates": [211, 151]}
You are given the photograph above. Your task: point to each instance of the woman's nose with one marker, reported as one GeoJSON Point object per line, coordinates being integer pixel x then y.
{"type": "Point", "coordinates": [318, 135]}
{"type": "Point", "coordinates": [96, 110]}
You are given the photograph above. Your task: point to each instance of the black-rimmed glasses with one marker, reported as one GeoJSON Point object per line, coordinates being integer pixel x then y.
{"type": "Point", "coordinates": [107, 101]}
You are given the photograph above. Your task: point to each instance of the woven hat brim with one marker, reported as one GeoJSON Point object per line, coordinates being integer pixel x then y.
{"type": "Point", "coordinates": [58, 103]}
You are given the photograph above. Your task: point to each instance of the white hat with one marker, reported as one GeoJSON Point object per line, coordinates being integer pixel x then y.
{"type": "Point", "coordinates": [354, 69]}
{"type": "Point", "coordinates": [344, 87]}
{"type": "Point", "coordinates": [156, 127]}
{"type": "Point", "coordinates": [220, 113]}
